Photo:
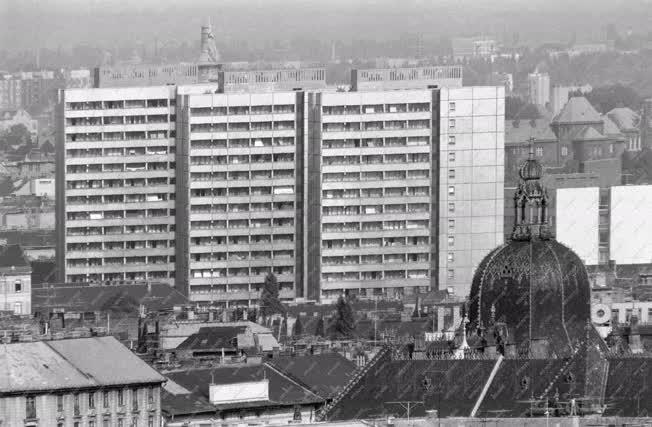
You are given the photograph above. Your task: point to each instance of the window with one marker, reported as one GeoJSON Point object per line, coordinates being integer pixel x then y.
{"type": "Point", "coordinates": [451, 274]}
{"type": "Point", "coordinates": [121, 398]}
{"type": "Point", "coordinates": [150, 394]}
{"type": "Point", "coordinates": [18, 286]}
{"type": "Point", "coordinates": [451, 257]}
{"type": "Point", "coordinates": [451, 139]}
{"type": "Point", "coordinates": [451, 240]}
{"type": "Point", "coordinates": [150, 421]}
{"type": "Point", "coordinates": [451, 123]}
{"type": "Point", "coordinates": [539, 151]}
{"type": "Point", "coordinates": [76, 404]}
{"type": "Point", "coordinates": [451, 190]}
{"type": "Point", "coordinates": [18, 308]}
{"type": "Point", "coordinates": [105, 399]}
{"type": "Point", "coordinates": [59, 402]}
{"type": "Point", "coordinates": [76, 424]}
{"type": "Point", "coordinates": [91, 400]}
{"type": "Point", "coordinates": [611, 148]}
{"type": "Point", "coordinates": [91, 423]}
{"type": "Point", "coordinates": [451, 156]}
{"type": "Point", "coordinates": [564, 151]}
{"type": "Point", "coordinates": [451, 174]}
{"type": "Point", "coordinates": [451, 207]}
{"type": "Point", "coordinates": [451, 106]}
{"type": "Point", "coordinates": [30, 407]}
{"type": "Point", "coordinates": [451, 224]}
{"type": "Point", "coordinates": [134, 400]}
{"type": "Point", "coordinates": [121, 422]}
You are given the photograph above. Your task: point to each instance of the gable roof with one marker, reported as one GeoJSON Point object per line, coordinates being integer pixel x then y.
{"type": "Point", "coordinates": [625, 118]}
{"type": "Point", "coordinates": [325, 374]}
{"type": "Point", "coordinates": [610, 128]}
{"type": "Point", "coordinates": [215, 337]}
{"type": "Point", "coordinates": [588, 134]}
{"type": "Point", "coordinates": [282, 389]}
{"type": "Point", "coordinates": [69, 364]}
{"type": "Point", "coordinates": [117, 298]}
{"type": "Point", "coordinates": [577, 110]}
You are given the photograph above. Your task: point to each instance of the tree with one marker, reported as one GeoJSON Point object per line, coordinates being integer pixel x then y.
{"type": "Point", "coordinates": [518, 109]}
{"type": "Point", "coordinates": [298, 327]}
{"type": "Point", "coordinates": [606, 98]}
{"type": "Point", "coordinates": [319, 328]}
{"type": "Point", "coordinates": [269, 299]}
{"type": "Point", "coordinates": [17, 135]}
{"type": "Point", "coordinates": [344, 321]}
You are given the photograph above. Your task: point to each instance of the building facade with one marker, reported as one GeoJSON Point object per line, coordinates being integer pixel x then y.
{"type": "Point", "coordinates": [539, 88]}
{"type": "Point", "coordinates": [332, 191]}
{"type": "Point", "coordinates": [82, 390]}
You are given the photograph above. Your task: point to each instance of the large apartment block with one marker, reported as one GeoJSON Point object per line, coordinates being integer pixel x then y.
{"type": "Point", "coordinates": [382, 191]}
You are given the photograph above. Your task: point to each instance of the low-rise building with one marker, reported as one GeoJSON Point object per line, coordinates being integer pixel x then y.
{"type": "Point", "coordinates": [260, 394]}
{"type": "Point", "coordinates": [74, 382]}
{"type": "Point", "coordinates": [15, 281]}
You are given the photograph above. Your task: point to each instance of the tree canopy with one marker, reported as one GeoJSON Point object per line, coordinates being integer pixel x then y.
{"type": "Point", "coordinates": [606, 98]}
{"type": "Point", "coordinates": [17, 135]}
{"type": "Point", "coordinates": [269, 297]}
{"type": "Point", "coordinates": [344, 321]}
{"type": "Point", "coordinates": [518, 109]}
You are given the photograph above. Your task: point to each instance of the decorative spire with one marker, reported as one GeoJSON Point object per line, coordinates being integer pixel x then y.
{"type": "Point", "coordinates": [531, 202]}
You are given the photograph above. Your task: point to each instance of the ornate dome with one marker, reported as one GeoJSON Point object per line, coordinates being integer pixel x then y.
{"type": "Point", "coordinates": [537, 288]}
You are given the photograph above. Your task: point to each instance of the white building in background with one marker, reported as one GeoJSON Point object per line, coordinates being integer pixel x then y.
{"type": "Point", "coordinates": [604, 225]}
{"type": "Point", "coordinates": [577, 221]}
{"type": "Point", "coordinates": [539, 88]}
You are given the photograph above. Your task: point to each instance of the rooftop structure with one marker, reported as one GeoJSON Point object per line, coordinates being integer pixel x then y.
{"type": "Point", "coordinates": [405, 78]}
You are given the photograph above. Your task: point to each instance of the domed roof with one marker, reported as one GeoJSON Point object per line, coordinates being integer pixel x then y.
{"type": "Point", "coordinates": [530, 170]}
{"type": "Point", "coordinates": [539, 289]}
{"type": "Point", "coordinates": [535, 287]}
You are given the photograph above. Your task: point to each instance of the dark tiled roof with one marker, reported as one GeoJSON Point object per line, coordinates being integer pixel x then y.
{"type": "Point", "coordinates": [118, 298]}
{"type": "Point", "coordinates": [578, 110]}
{"type": "Point", "coordinates": [325, 374]}
{"type": "Point", "coordinates": [210, 338]}
{"type": "Point", "coordinates": [451, 386]}
{"type": "Point", "coordinates": [629, 387]}
{"type": "Point", "coordinates": [282, 390]}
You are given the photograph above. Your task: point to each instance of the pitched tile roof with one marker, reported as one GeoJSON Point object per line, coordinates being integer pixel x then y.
{"type": "Point", "coordinates": [282, 390]}
{"type": "Point", "coordinates": [325, 374]}
{"type": "Point", "coordinates": [120, 298]}
{"type": "Point", "coordinates": [610, 128]}
{"type": "Point", "coordinates": [588, 134]}
{"type": "Point", "coordinates": [209, 338]}
{"type": "Point", "coordinates": [73, 363]}
{"type": "Point", "coordinates": [577, 110]}
{"type": "Point", "coordinates": [625, 118]}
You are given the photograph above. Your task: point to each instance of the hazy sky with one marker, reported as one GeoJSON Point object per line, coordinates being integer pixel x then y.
{"type": "Point", "coordinates": [52, 23]}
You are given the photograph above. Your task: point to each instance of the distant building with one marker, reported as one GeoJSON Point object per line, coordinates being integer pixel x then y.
{"type": "Point", "coordinates": [85, 381]}
{"type": "Point", "coordinates": [628, 123]}
{"type": "Point", "coordinates": [27, 89]}
{"type": "Point", "coordinates": [470, 47]}
{"type": "Point", "coordinates": [559, 96]}
{"type": "Point", "coordinates": [15, 272]}
{"type": "Point", "coordinates": [539, 88]}
{"type": "Point", "coordinates": [41, 187]}
{"type": "Point", "coordinates": [612, 224]}
{"type": "Point", "coordinates": [589, 48]}
{"type": "Point", "coordinates": [646, 124]}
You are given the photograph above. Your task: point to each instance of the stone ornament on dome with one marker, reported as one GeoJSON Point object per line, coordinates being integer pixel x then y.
{"type": "Point", "coordinates": [531, 203]}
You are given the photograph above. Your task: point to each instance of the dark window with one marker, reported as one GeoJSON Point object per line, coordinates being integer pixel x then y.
{"type": "Point", "coordinates": [121, 399]}
{"type": "Point", "coordinates": [18, 285]}
{"type": "Point", "coordinates": [91, 400]}
{"type": "Point", "coordinates": [134, 400]}
{"type": "Point", "coordinates": [30, 407]}
{"type": "Point", "coordinates": [59, 402]}
{"type": "Point", "coordinates": [76, 404]}
{"type": "Point", "coordinates": [105, 399]}
{"type": "Point", "coordinates": [150, 421]}
{"type": "Point", "coordinates": [150, 395]}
